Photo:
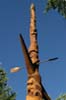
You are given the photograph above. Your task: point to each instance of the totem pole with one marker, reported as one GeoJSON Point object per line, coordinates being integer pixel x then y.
{"type": "Point", "coordinates": [35, 89]}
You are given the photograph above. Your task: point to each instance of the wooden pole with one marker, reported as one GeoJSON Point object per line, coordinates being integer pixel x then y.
{"type": "Point", "coordinates": [33, 49]}
{"type": "Point", "coordinates": [35, 89]}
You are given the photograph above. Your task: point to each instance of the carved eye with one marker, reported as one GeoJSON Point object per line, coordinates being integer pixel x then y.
{"type": "Point", "coordinates": [37, 94]}
{"type": "Point", "coordinates": [29, 83]}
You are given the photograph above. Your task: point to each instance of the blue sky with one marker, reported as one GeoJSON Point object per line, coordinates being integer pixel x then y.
{"type": "Point", "coordinates": [51, 27]}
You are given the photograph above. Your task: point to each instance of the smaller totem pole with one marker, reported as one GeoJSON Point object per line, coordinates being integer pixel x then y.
{"type": "Point", "coordinates": [35, 89]}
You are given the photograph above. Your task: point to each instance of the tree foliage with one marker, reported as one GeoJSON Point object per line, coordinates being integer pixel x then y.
{"type": "Point", "coordinates": [59, 5]}
{"type": "Point", "coordinates": [62, 97]}
{"type": "Point", "coordinates": [5, 91]}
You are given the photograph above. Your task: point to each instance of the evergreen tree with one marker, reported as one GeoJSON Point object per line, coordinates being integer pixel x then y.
{"type": "Point", "coordinates": [5, 92]}
{"type": "Point", "coordinates": [58, 5]}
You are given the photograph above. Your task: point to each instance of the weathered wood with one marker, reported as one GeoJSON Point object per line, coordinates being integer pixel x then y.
{"type": "Point", "coordinates": [28, 61]}
{"type": "Point", "coordinates": [33, 49]}
{"type": "Point", "coordinates": [35, 89]}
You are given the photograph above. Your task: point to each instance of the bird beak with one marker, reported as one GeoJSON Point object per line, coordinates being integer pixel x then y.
{"type": "Point", "coordinates": [28, 61]}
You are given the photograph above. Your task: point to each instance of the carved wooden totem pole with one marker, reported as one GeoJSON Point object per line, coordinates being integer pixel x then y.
{"type": "Point", "coordinates": [35, 89]}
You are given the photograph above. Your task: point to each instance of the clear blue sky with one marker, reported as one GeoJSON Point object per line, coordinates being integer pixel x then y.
{"type": "Point", "coordinates": [14, 19]}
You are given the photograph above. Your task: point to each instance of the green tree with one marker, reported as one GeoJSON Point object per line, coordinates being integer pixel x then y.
{"type": "Point", "coordinates": [62, 97]}
{"type": "Point", "coordinates": [58, 5]}
{"type": "Point", "coordinates": [5, 91]}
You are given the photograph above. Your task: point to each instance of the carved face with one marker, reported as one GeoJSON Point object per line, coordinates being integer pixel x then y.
{"type": "Point", "coordinates": [33, 87]}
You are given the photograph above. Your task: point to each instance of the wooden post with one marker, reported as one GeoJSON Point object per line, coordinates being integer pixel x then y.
{"type": "Point", "coordinates": [33, 49]}
{"type": "Point", "coordinates": [35, 89]}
